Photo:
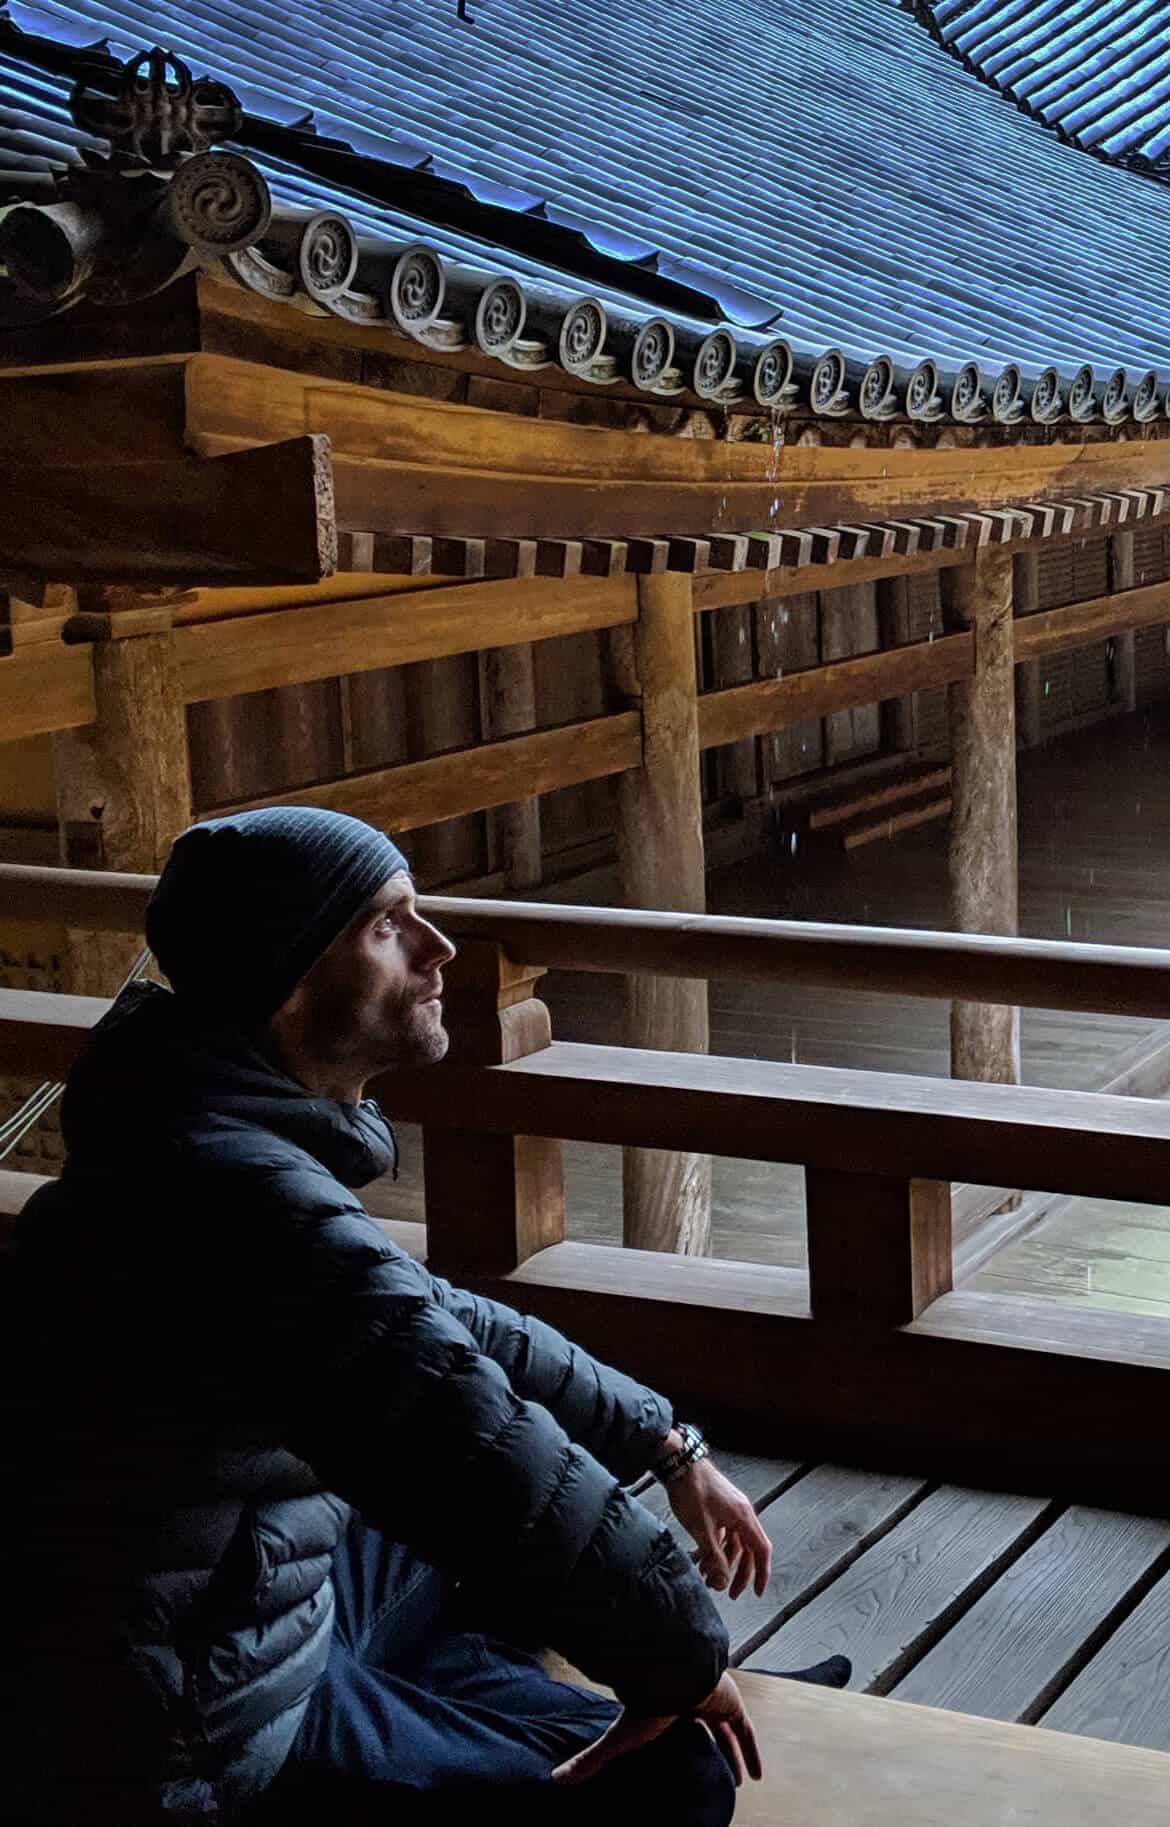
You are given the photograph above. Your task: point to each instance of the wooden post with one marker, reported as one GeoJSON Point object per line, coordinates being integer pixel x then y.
{"type": "Point", "coordinates": [123, 782]}
{"type": "Point", "coordinates": [491, 1200]}
{"type": "Point", "coordinates": [1029, 693]}
{"type": "Point", "coordinates": [508, 705]}
{"type": "Point", "coordinates": [1122, 648]}
{"type": "Point", "coordinates": [879, 1249]}
{"type": "Point", "coordinates": [899, 715]}
{"type": "Point", "coordinates": [667, 1197]}
{"type": "Point", "coordinates": [984, 862]}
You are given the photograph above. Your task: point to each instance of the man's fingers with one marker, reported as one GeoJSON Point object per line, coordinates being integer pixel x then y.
{"type": "Point", "coordinates": [729, 1745]}
{"type": "Point", "coordinates": [750, 1746]}
{"type": "Point", "coordinates": [713, 1564]}
{"type": "Point", "coordinates": [623, 1735]}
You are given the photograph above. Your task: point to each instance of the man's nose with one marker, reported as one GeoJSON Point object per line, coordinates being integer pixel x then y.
{"type": "Point", "coordinates": [434, 949]}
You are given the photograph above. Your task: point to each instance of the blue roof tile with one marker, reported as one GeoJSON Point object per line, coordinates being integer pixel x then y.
{"type": "Point", "coordinates": [1098, 71]}
{"type": "Point", "coordinates": [820, 165]}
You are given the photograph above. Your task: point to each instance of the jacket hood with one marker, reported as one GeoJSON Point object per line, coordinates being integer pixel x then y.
{"type": "Point", "coordinates": [155, 1073]}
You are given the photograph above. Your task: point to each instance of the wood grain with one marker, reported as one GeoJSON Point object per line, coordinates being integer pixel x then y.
{"type": "Point", "coordinates": [471, 779]}
{"type": "Point", "coordinates": [848, 1760]}
{"type": "Point", "coordinates": [45, 688]}
{"type": "Point", "coordinates": [904, 1591]}
{"type": "Point", "coordinates": [1018, 1644]}
{"type": "Point", "coordinates": [1123, 1694]}
{"type": "Point", "coordinates": [290, 646]}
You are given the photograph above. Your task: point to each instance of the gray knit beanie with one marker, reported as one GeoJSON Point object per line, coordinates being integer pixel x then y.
{"type": "Point", "coordinates": [246, 904]}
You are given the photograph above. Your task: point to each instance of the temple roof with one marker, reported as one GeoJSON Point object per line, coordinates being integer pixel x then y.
{"type": "Point", "coordinates": [1097, 71]}
{"type": "Point", "coordinates": [819, 170]}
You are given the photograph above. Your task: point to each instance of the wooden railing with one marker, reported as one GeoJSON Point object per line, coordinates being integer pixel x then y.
{"type": "Point", "coordinates": [871, 1351]}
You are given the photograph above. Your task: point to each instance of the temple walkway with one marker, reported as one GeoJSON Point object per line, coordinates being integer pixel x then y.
{"type": "Point", "coordinates": [1095, 866]}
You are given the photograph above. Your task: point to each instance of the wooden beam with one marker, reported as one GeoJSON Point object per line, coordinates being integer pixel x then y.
{"type": "Point", "coordinates": [825, 1117]}
{"type": "Point", "coordinates": [473, 779]}
{"type": "Point", "coordinates": [879, 1246]}
{"type": "Point", "coordinates": [984, 843]}
{"type": "Point", "coordinates": [1036, 973]}
{"type": "Point", "coordinates": [42, 1032]}
{"type": "Point", "coordinates": [666, 1197]}
{"type": "Point", "coordinates": [188, 519]}
{"type": "Point", "coordinates": [45, 688]}
{"type": "Point", "coordinates": [290, 647]}
{"type": "Point", "coordinates": [1037, 637]}
{"type": "Point", "coordinates": [769, 704]}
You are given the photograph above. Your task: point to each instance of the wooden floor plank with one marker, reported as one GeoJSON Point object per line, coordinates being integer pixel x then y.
{"type": "Point", "coordinates": [817, 1527]}
{"type": "Point", "coordinates": [846, 1760]}
{"type": "Point", "coordinates": [898, 1597]}
{"type": "Point", "coordinates": [1123, 1694]}
{"type": "Point", "coordinates": [1015, 1648]}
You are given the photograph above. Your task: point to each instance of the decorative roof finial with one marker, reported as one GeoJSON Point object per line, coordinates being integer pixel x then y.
{"type": "Point", "coordinates": [161, 114]}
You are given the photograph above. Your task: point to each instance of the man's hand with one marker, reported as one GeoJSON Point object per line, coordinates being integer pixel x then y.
{"type": "Point", "coordinates": [723, 1713]}
{"type": "Point", "coordinates": [734, 1551]}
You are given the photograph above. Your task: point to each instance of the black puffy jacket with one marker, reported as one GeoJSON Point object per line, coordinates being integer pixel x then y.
{"type": "Point", "coordinates": [215, 1352]}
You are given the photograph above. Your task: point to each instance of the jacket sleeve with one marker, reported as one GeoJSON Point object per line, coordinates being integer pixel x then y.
{"type": "Point", "coordinates": [389, 1397]}
{"type": "Point", "coordinates": [621, 1422]}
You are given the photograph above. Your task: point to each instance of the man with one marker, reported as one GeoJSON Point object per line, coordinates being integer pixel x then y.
{"type": "Point", "coordinates": [294, 1515]}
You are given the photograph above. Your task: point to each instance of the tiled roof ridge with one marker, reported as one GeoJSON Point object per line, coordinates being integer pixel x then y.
{"type": "Point", "coordinates": [450, 202]}
{"type": "Point", "coordinates": [1071, 125]}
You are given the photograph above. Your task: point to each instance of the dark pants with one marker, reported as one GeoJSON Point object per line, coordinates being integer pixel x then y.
{"type": "Point", "coordinates": [417, 1717]}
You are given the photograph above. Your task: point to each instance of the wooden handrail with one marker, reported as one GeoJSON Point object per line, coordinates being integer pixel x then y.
{"type": "Point", "coordinates": [1029, 973]}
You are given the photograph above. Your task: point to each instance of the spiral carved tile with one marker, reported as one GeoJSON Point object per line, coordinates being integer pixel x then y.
{"type": "Point", "coordinates": [218, 203]}
{"type": "Point", "coordinates": [968, 400]}
{"type": "Point", "coordinates": [1146, 404]}
{"type": "Point", "coordinates": [417, 288]}
{"type": "Point", "coordinates": [876, 397]}
{"type": "Point", "coordinates": [827, 392]}
{"type": "Point", "coordinates": [652, 353]}
{"type": "Point", "coordinates": [583, 332]}
{"type": "Point", "coordinates": [1007, 397]}
{"type": "Point", "coordinates": [1047, 402]}
{"type": "Point", "coordinates": [327, 256]}
{"type": "Point", "coordinates": [923, 398]}
{"type": "Point", "coordinates": [1082, 397]}
{"type": "Point", "coordinates": [1115, 401]}
{"type": "Point", "coordinates": [772, 373]}
{"type": "Point", "coordinates": [715, 364]}
{"type": "Point", "coordinates": [499, 316]}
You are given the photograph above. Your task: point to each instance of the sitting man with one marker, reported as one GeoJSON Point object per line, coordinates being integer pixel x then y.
{"type": "Point", "coordinates": [294, 1515]}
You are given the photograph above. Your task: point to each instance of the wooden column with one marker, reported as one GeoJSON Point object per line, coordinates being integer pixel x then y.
{"type": "Point", "coordinates": [123, 782]}
{"type": "Point", "coordinates": [1122, 649]}
{"type": "Point", "coordinates": [491, 1200]}
{"type": "Point", "coordinates": [879, 1249]}
{"type": "Point", "coordinates": [1029, 685]}
{"type": "Point", "coordinates": [508, 708]}
{"type": "Point", "coordinates": [984, 862]}
{"type": "Point", "coordinates": [667, 1197]}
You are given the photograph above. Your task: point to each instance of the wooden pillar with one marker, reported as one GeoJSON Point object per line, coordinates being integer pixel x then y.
{"type": "Point", "coordinates": [667, 1197]}
{"type": "Point", "coordinates": [1122, 648]}
{"type": "Point", "coordinates": [1029, 684]}
{"type": "Point", "coordinates": [900, 715]}
{"type": "Point", "coordinates": [491, 1200]}
{"type": "Point", "coordinates": [984, 862]}
{"type": "Point", "coordinates": [879, 1249]}
{"type": "Point", "coordinates": [123, 782]}
{"type": "Point", "coordinates": [508, 708]}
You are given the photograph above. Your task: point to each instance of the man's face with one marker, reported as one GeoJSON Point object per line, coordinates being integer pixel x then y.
{"type": "Point", "coordinates": [373, 1000]}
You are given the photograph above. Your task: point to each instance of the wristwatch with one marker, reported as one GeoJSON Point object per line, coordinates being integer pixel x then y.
{"type": "Point", "coordinates": [693, 1448]}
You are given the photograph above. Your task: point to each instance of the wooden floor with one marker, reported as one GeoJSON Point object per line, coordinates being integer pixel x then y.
{"type": "Point", "coordinates": [1006, 1607]}
{"type": "Point", "coordinates": [1095, 849]}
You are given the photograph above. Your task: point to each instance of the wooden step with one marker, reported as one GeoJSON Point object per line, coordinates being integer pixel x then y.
{"type": "Point", "coordinates": [852, 1760]}
{"type": "Point", "coordinates": [873, 830]}
{"type": "Point", "coordinates": [852, 805]}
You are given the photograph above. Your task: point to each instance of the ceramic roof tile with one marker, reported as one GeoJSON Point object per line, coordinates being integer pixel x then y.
{"type": "Point", "coordinates": [1098, 71]}
{"type": "Point", "coordinates": [821, 161]}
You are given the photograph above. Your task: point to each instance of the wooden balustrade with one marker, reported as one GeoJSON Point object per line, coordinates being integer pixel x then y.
{"type": "Point", "coordinates": [870, 1353]}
